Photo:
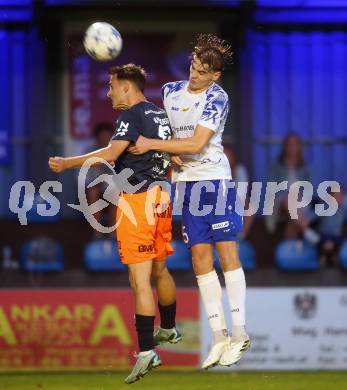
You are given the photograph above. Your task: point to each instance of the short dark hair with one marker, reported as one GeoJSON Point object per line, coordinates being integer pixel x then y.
{"type": "Point", "coordinates": [213, 51]}
{"type": "Point", "coordinates": [131, 72]}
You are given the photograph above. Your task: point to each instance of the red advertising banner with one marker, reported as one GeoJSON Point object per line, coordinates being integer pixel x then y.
{"type": "Point", "coordinates": [72, 329]}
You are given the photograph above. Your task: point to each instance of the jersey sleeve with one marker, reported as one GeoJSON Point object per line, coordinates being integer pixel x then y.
{"type": "Point", "coordinates": [215, 110]}
{"type": "Point", "coordinates": [164, 91]}
{"type": "Point", "coordinates": [163, 95]}
{"type": "Point", "coordinates": [127, 127]}
{"type": "Point", "coordinates": [170, 88]}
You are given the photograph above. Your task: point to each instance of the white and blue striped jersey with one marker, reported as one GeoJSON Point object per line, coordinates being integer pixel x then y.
{"type": "Point", "coordinates": [187, 110]}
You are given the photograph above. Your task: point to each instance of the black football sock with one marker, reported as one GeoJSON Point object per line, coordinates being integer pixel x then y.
{"type": "Point", "coordinates": [167, 315]}
{"type": "Point", "coordinates": [144, 327]}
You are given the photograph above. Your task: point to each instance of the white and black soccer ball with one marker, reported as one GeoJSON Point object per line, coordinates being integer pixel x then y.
{"type": "Point", "coordinates": [102, 41]}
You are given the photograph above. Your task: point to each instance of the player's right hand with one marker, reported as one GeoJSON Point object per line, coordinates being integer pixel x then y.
{"type": "Point", "coordinates": [57, 164]}
{"type": "Point", "coordinates": [176, 160]}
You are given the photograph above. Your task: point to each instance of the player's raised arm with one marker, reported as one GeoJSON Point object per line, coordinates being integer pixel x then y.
{"type": "Point", "coordinates": [110, 154]}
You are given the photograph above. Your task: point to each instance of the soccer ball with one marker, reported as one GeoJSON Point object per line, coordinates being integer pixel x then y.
{"type": "Point", "coordinates": [102, 41]}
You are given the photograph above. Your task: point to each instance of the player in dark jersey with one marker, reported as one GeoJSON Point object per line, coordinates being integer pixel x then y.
{"type": "Point", "coordinates": [144, 243]}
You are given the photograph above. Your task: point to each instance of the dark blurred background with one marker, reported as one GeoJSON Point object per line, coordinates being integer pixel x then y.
{"type": "Point", "coordinates": [288, 92]}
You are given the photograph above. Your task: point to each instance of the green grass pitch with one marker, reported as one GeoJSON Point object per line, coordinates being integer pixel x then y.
{"type": "Point", "coordinates": [180, 380]}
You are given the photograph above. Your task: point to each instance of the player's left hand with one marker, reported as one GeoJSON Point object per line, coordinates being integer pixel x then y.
{"type": "Point", "coordinates": [142, 146]}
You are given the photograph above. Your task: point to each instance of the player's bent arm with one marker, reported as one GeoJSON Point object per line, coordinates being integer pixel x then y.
{"type": "Point", "coordinates": [110, 153]}
{"type": "Point", "coordinates": [191, 145]}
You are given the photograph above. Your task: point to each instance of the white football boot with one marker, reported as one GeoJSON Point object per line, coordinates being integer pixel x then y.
{"type": "Point", "coordinates": [215, 354]}
{"type": "Point", "coordinates": [236, 348]}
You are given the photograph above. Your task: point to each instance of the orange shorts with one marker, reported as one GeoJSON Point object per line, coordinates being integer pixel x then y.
{"type": "Point", "coordinates": [144, 224]}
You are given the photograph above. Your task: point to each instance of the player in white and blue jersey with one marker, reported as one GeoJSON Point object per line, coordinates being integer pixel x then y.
{"type": "Point", "coordinates": [197, 110]}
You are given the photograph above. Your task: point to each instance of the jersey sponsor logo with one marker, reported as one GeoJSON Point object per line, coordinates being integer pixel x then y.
{"type": "Point", "coordinates": [146, 248]}
{"type": "Point", "coordinates": [175, 109]}
{"type": "Point", "coordinates": [184, 128]}
{"type": "Point", "coordinates": [220, 225]}
{"type": "Point", "coordinates": [161, 121]}
{"type": "Point", "coordinates": [122, 129]}
{"type": "Point", "coordinates": [159, 112]}
{"type": "Point", "coordinates": [185, 109]}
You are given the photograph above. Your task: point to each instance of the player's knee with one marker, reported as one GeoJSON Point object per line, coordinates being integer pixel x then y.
{"type": "Point", "coordinates": [139, 286]}
{"type": "Point", "coordinates": [229, 263]}
{"type": "Point", "coordinates": [229, 258]}
{"type": "Point", "coordinates": [159, 272]}
{"type": "Point", "coordinates": [135, 283]}
{"type": "Point", "coordinates": [202, 265]}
